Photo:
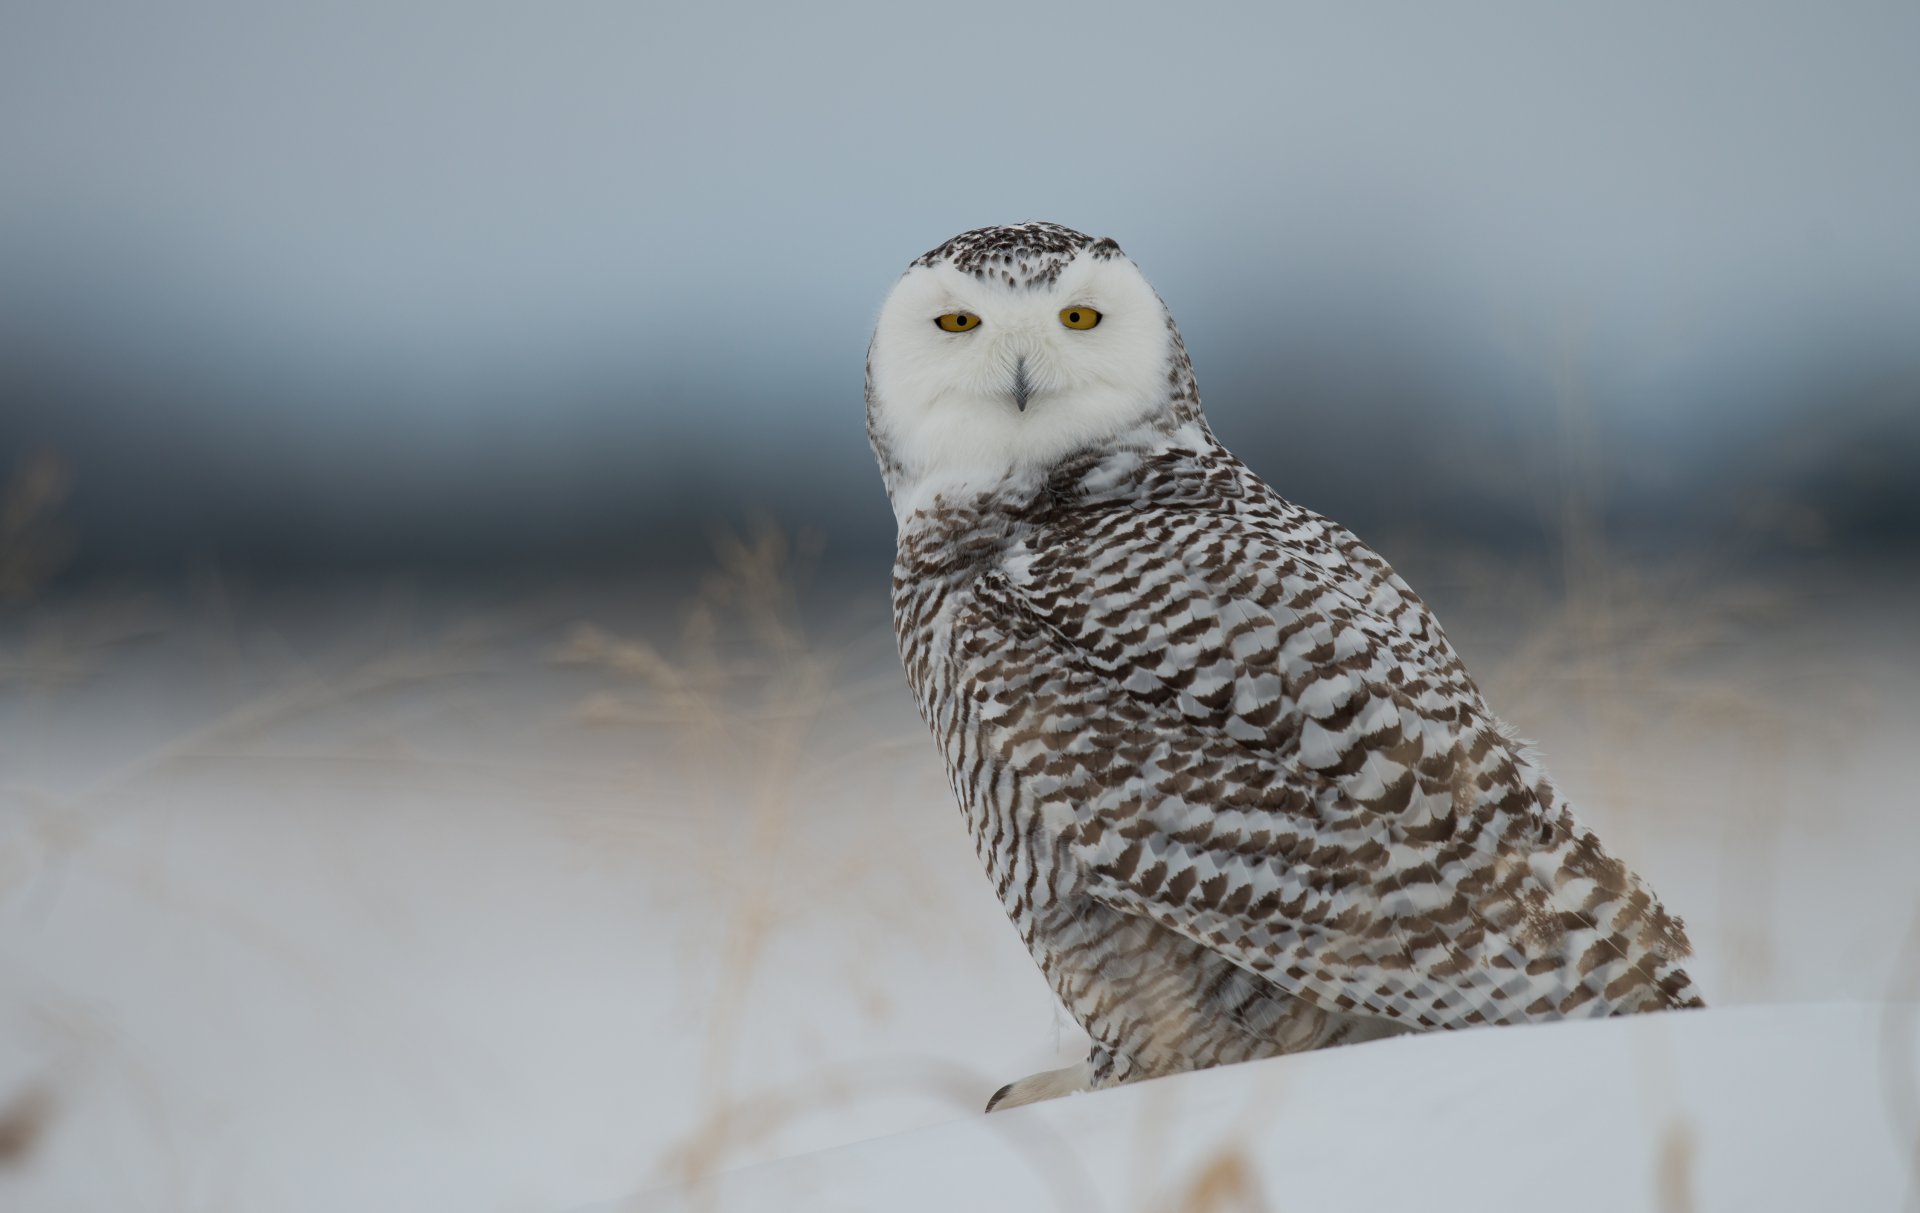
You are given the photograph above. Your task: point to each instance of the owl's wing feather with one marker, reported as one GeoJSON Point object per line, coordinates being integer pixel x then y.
{"type": "Point", "coordinates": [1247, 729]}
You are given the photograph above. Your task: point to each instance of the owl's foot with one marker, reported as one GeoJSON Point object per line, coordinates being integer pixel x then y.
{"type": "Point", "coordinates": [1048, 1084]}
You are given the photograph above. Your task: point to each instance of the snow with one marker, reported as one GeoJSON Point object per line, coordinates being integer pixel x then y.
{"type": "Point", "coordinates": [372, 898]}
{"type": "Point", "coordinates": [1785, 1107]}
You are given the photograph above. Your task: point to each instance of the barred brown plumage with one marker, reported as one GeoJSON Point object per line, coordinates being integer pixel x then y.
{"type": "Point", "coordinates": [1235, 789]}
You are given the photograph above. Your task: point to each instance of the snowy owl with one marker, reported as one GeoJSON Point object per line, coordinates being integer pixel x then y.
{"type": "Point", "coordinates": [1235, 789]}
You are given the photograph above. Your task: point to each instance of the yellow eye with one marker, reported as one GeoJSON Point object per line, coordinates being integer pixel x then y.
{"type": "Point", "coordinates": [1079, 317]}
{"type": "Point", "coordinates": [957, 322]}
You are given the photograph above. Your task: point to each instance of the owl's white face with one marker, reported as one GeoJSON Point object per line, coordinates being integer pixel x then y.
{"type": "Point", "coordinates": [1018, 387]}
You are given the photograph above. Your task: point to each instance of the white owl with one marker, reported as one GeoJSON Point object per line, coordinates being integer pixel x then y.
{"type": "Point", "coordinates": [1236, 791]}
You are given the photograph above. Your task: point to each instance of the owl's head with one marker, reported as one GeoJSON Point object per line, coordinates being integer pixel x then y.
{"type": "Point", "coordinates": [1008, 349]}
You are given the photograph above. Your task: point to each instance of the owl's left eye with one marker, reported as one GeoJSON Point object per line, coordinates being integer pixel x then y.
{"type": "Point", "coordinates": [957, 322]}
{"type": "Point", "coordinates": [1079, 317]}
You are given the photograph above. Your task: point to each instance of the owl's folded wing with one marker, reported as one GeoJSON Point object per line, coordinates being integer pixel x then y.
{"type": "Point", "coordinates": [1296, 773]}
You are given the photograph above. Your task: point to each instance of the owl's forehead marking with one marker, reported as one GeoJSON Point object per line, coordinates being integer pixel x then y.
{"type": "Point", "coordinates": [1027, 255]}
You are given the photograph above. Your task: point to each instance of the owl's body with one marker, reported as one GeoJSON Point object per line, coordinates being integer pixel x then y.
{"type": "Point", "coordinates": [1236, 791]}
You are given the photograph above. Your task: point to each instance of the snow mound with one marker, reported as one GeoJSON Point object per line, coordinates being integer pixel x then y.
{"type": "Point", "coordinates": [1747, 1108]}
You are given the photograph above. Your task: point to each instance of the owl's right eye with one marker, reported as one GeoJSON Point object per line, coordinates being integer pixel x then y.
{"type": "Point", "coordinates": [957, 322]}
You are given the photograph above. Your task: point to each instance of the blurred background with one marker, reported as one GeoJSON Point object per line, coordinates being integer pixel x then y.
{"type": "Point", "coordinates": [446, 704]}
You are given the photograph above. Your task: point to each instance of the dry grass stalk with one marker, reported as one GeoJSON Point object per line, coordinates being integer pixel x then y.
{"type": "Point", "coordinates": [32, 549]}
{"type": "Point", "coordinates": [1673, 1170]}
{"type": "Point", "coordinates": [1229, 1180]}
{"type": "Point", "coordinates": [743, 692]}
{"type": "Point", "coordinates": [23, 1124]}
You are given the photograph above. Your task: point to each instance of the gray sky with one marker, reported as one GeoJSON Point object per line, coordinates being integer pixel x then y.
{"type": "Point", "coordinates": [370, 276]}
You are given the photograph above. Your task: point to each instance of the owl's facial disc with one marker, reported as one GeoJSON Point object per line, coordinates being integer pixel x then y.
{"type": "Point", "coordinates": [979, 371]}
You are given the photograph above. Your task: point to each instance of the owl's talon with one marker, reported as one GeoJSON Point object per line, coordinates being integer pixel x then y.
{"type": "Point", "coordinates": [1048, 1084]}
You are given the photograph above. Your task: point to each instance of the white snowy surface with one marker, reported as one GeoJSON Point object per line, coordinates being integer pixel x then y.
{"type": "Point", "coordinates": [1785, 1107]}
{"type": "Point", "coordinates": [364, 900]}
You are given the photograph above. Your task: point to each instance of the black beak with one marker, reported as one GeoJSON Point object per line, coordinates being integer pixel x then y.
{"type": "Point", "coordinates": [1021, 388]}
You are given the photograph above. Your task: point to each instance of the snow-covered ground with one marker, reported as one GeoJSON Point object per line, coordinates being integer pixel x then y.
{"type": "Point", "coordinates": [1741, 1108]}
{"type": "Point", "coordinates": [374, 898]}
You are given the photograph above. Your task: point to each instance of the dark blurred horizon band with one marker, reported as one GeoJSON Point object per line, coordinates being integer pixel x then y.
{"type": "Point", "coordinates": [375, 287]}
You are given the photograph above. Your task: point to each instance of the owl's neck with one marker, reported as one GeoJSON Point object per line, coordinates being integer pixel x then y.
{"type": "Point", "coordinates": [1138, 466]}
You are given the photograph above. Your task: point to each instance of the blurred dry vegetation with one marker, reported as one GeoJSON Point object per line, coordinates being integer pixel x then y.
{"type": "Point", "coordinates": [31, 551]}
{"type": "Point", "coordinates": [747, 684]}
{"type": "Point", "coordinates": [32, 545]}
